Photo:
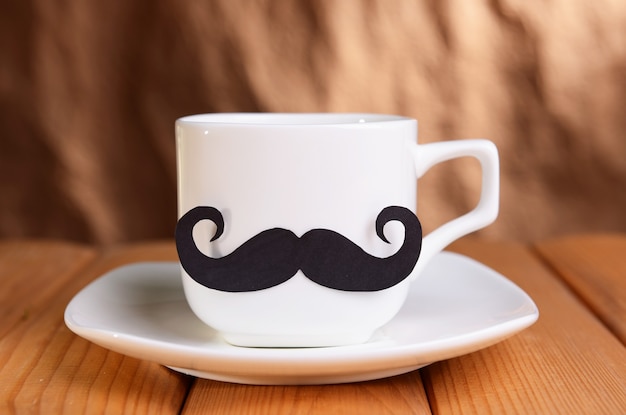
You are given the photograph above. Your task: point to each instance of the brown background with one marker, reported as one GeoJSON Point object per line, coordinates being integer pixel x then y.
{"type": "Point", "coordinates": [89, 92]}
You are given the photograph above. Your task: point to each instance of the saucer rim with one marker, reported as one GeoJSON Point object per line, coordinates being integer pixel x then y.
{"type": "Point", "coordinates": [302, 365]}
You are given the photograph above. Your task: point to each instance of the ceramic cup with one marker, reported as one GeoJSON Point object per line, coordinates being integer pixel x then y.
{"type": "Point", "coordinates": [299, 230]}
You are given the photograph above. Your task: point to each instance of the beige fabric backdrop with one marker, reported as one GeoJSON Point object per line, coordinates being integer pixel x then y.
{"type": "Point", "coordinates": [89, 92]}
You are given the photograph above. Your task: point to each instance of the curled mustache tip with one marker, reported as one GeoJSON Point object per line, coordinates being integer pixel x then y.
{"type": "Point", "coordinates": [218, 219]}
{"type": "Point", "coordinates": [397, 213]}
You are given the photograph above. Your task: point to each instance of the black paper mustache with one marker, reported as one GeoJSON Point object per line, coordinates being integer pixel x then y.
{"type": "Point", "coordinates": [275, 255]}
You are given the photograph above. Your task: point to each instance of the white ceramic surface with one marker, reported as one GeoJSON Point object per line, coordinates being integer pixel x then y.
{"type": "Point", "coordinates": [301, 172]}
{"type": "Point", "coordinates": [458, 306]}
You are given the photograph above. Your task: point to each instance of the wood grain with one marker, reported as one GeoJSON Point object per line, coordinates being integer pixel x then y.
{"type": "Point", "coordinates": [571, 361]}
{"type": "Point", "coordinates": [568, 362]}
{"type": "Point", "coordinates": [402, 394]}
{"type": "Point", "coordinates": [595, 268]}
{"type": "Point", "coordinates": [50, 369]}
{"type": "Point", "coordinates": [27, 287]}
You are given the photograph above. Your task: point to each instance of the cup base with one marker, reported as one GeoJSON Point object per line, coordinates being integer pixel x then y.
{"type": "Point", "coordinates": [295, 341]}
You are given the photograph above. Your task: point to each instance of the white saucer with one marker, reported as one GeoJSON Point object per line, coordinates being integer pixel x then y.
{"type": "Point", "coordinates": [456, 306]}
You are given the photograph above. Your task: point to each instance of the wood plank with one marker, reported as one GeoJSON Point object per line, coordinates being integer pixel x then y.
{"type": "Point", "coordinates": [402, 394]}
{"type": "Point", "coordinates": [595, 268]}
{"type": "Point", "coordinates": [26, 290]}
{"type": "Point", "coordinates": [48, 369]}
{"type": "Point", "coordinates": [568, 362]}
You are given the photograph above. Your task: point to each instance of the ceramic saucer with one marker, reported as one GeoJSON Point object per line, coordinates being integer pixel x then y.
{"type": "Point", "coordinates": [455, 307]}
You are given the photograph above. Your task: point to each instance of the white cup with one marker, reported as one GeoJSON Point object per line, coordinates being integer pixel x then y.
{"type": "Point", "coordinates": [277, 232]}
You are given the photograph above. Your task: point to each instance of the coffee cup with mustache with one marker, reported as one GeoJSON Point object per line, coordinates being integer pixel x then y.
{"type": "Point", "coordinates": [299, 230]}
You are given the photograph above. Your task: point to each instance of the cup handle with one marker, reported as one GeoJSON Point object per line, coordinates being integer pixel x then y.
{"type": "Point", "coordinates": [485, 212]}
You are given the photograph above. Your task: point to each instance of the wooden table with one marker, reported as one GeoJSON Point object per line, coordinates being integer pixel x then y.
{"type": "Point", "coordinates": [572, 361]}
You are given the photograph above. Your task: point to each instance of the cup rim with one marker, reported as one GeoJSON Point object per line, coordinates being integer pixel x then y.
{"type": "Point", "coordinates": [292, 118]}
